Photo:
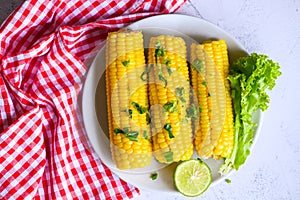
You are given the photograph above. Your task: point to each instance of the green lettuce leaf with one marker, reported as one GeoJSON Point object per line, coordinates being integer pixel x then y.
{"type": "Point", "coordinates": [250, 77]}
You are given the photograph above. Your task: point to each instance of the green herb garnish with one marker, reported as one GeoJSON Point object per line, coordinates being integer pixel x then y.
{"type": "Point", "coordinates": [168, 128]}
{"type": "Point", "coordinates": [129, 112]}
{"type": "Point", "coordinates": [179, 92]}
{"type": "Point", "coordinates": [117, 131]}
{"type": "Point", "coordinates": [141, 109]}
{"type": "Point", "coordinates": [159, 51]}
{"type": "Point", "coordinates": [171, 106]}
{"type": "Point", "coordinates": [126, 63]}
{"type": "Point", "coordinates": [154, 176]}
{"type": "Point", "coordinates": [170, 71]}
{"type": "Point", "coordinates": [131, 135]}
{"type": "Point", "coordinates": [162, 78]}
{"type": "Point", "coordinates": [168, 156]}
{"type": "Point", "coordinates": [148, 118]}
{"type": "Point", "coordinates": [192, 112]}
{"type": "Point", "coordinates": [167, 61]}
{"type": "Point", "coordinates": [198, 65]}
{"type": "Point", "coordinates": [227, 180]}
{"type": "Point", "coordinates": [148, 69]}
{"type": "Point", "coordinates": [145, 135]}
{"type": "Point", "coordinates": [182, 99]}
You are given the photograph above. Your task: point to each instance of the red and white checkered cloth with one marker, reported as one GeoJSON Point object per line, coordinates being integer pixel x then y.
{"type": "Point", "coordinates": [44, 153]}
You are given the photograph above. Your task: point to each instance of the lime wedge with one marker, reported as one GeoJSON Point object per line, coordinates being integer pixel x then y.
{"type": "Point", "coordinates": [192, 177]}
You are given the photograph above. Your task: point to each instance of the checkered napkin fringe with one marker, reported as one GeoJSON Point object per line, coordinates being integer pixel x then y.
{"type": "Point", "coordinates": [45, 44]}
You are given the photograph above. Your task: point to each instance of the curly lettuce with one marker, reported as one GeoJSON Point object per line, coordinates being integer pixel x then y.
{"type": "Point", "coordinates": [250, 77]}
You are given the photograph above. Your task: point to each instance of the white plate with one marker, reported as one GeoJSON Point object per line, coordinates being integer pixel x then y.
{"type": "Point", "coordinates": [94, 98]}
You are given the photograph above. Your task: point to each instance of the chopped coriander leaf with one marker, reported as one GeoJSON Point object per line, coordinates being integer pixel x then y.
{"type": "Point", "coordinates": [167, 61]}
{"type": "Point", "coordinates": [126, 63]}
{"type": "Point", "coordinates": [168, 156]}
{"type": "Point", "coordinates": [192, 112]}
{"type": "Point", "coordinates": [159, 51]}
{"type": "Point", "coordinates": [126, 129]}
{"type": "Point", "coordinates": [198, 65]}
{"type": "Point", "coordinates": [171, 106]}
{"type": "Point", "coordinates": [160, 75]}
{"type": "Point", "coordinates": [154, 176]}
{"type": "Point", "coordinates": [145, 135]}
{"type": "Point", "coordinates": [162, 78]}
{"type": "Point", "coordinates": [131, 135]}
{"type": "Point", "coordinates": [129, 111]}
{"type": "Point", "coordinates": [148, 118]}
{"type": "Point", "coordinates": [168, 128]}
{"type": "Point", "coordinates": [204, 83]}
{"type": "Point", "coordinates": [143, 75]}
{"type": "Point", "coordinates": [170, 71]}
{"type": "Point", "coordinates": [141, 109]}
{"type": "Point", "coordinates": [227, 180]}
{"type": "Point", "coordinates": [182, 99]}
{"type": "Point", "coordinates": [117, 131]}
{"type": "Point", "coordinates": [179, 91]}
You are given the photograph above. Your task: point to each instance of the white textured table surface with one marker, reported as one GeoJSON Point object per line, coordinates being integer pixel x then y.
{"type": "Point", "coordinates": [271, 27]}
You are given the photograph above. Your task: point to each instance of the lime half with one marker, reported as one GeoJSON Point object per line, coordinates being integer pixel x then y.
{"type": "Point", "coordinates": [192, 177]}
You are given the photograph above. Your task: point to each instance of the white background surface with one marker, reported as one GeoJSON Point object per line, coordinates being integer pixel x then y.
{"type": "Point", "coordinates": [271, 27]}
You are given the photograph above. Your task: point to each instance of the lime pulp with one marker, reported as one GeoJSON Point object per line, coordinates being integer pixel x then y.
{"type": "Point", "coordinates": [192, 177]}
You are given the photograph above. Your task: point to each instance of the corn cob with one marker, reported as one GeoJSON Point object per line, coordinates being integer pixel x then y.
{"type": "Point", "coordinates": [127, 100]}
{"type": "Point", "coordinates": [225, 143]}
{"type": "Point", "coordinates": [214, 136]}
{"type": "Point", "coordinates": [171, 129]}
